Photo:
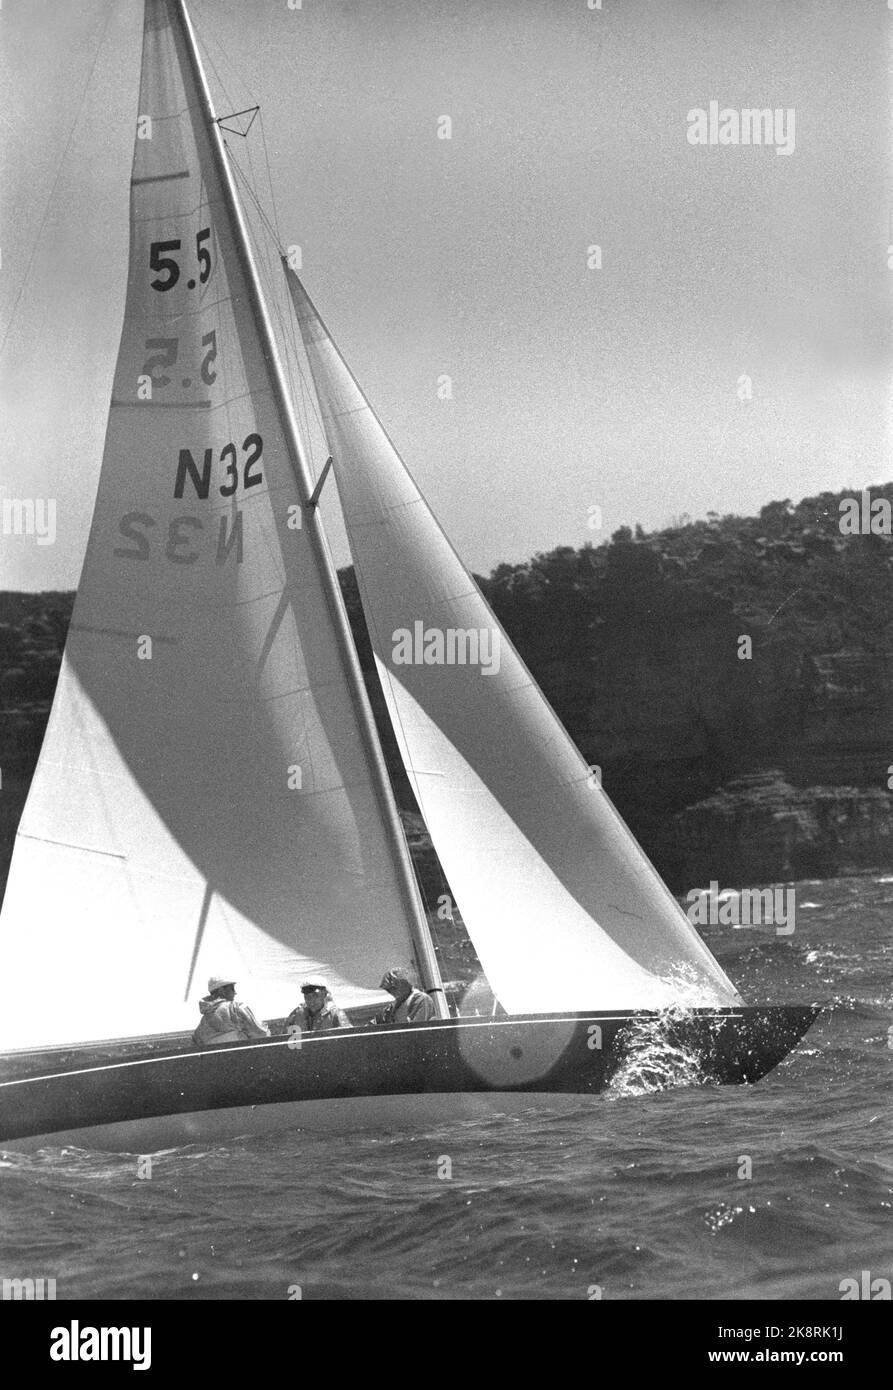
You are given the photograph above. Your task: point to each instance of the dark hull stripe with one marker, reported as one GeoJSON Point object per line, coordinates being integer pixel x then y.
{"type": "Point", "coordinates": [534, 1054]}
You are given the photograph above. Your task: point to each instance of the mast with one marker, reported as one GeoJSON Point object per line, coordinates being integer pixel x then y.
{"type": "Point", "coordinates": [418, 926]}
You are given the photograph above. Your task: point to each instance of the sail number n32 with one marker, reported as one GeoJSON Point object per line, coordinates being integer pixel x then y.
{"type": "Point", "coordinates": [201, 481]}
{"type": "Point", "coordinates": [183, 532]}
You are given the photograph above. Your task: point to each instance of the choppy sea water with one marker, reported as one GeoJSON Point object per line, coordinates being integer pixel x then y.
{"type": "Point", "coordinates": [635, 1194]}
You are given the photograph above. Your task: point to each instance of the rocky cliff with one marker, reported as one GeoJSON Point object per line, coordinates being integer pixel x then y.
{"type": "Point", "coordinates": [761, 829]}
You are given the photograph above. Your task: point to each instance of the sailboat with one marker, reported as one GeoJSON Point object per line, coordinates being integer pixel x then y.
{"type": "Point", "coordinates": [212, 796]}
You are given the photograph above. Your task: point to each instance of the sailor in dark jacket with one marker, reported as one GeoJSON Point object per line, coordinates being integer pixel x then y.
{"type": "Point", "coordinates": [318, 1011]}
{"type": "Point", "coordinates": [410, 1005]}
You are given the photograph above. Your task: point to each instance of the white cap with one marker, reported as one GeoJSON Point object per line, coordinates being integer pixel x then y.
{"type": "Point", "coordinates": [218, 982]}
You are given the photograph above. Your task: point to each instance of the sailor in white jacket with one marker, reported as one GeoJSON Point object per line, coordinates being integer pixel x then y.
{"type": "Point", "coordinates": [224, 1019]}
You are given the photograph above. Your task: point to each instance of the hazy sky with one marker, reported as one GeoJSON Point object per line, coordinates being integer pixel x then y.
{"type": "Point", "coordinates": [572, 387]}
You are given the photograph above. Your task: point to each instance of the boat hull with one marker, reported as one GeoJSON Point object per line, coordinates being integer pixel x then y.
{"type": "Point", "coordinates": [118, 1097]}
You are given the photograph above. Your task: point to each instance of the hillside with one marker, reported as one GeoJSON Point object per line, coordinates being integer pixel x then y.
{"type": "Point", "coordinates": [638, 645]}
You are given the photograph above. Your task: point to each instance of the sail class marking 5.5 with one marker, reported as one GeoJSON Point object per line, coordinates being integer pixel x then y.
{"type": "Point", "coordinates": [165, 263]}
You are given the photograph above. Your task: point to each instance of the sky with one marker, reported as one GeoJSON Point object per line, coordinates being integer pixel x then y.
{"type": "Point", "coordinates": [732, 348]}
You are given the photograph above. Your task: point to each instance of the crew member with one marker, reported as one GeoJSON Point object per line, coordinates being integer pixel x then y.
{"type": "Point", "coordinates": [318, 1011]}
{"type": "Point", "coordinates": [410, 1005]}
{"type": "Point", "coordinates": [224, 1019]}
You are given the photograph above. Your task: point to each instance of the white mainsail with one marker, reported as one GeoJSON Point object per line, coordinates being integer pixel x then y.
{"type": "Point", "coordinates": [204, 801]}
{"type": "Point", "coordinates": [564, 908]}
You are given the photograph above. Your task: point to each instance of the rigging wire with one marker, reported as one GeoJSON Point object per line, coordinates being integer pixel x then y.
{"type": "Point", "coordinates": [305, 395]}
{"type": "Point", "coordinates": [209, 36]}
{"type": "Point", "coordinates": [62, 162]}
{"type": "Point", "coordinates": [263, 242]}
{"type": "Point", "coordinates": [299, 396]}
{"type": "Point", "coordinates": [272, 230]}
{"type": "Point", "coordinates": [301, 392]}
{"type": "Point", "coordinates": [200, 40]}
{"type": "Point", "coordinates": [308, 394]}
{"type": "Point", "coordinates": [263, 138]}
{"type": "Point", "coordinates": [288, 313]}
{"type": "Point", "coordinates": [302, 389]}
{"type": "Point", "coordinates": [205, 38]}
{"type": "Point", "coordinates": [432, 922]}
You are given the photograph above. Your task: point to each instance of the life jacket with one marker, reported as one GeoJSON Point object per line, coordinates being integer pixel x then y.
{"type": "Point", "coordinates": [417, 1007]}
{"type": "Point", "coordinates": [225, 1021]}
{"type": "Point", "coordinates": [329, 1016]}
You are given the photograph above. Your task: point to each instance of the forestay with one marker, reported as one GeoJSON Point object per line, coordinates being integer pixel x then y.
{"type": "Point", "coordinates": [564, 908]}
{"type": "Point", "coordinates": [203, 801]}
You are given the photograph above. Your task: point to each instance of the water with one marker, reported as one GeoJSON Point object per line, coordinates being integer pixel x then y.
{"type": "Point", "coordinates": [636, 1193]}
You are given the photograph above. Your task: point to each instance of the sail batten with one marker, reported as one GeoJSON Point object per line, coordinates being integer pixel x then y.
{"type": "Point", "coordinates": [564, 908]}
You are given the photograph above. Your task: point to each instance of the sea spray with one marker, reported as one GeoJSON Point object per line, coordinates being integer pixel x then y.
{"type": "Point", "coordinates": [653, 1057]}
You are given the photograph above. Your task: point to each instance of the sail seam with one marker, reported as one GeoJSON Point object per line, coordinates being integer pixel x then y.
{"type": "Point", "coordinates": [120, 632]}
{"type": "Point", "coordinates": [160, 178]}
{"type": "Point", "coordinates": [184, 215]}
{"type": "Point", "coordinates": [65, 844]}
{"type": "Point", "coordinates": [160, 405]}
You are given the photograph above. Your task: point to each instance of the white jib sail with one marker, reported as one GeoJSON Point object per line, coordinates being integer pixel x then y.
{"type": "Point", "coordinates": [203, 802]}
{"type": "Point", "coordinates": [564, 908]}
